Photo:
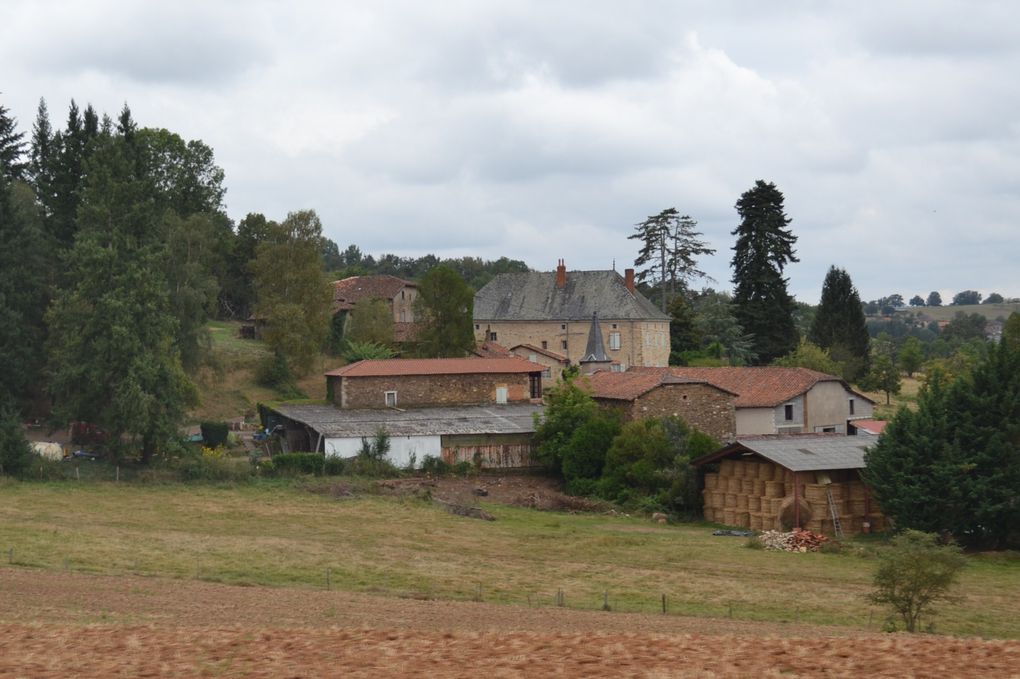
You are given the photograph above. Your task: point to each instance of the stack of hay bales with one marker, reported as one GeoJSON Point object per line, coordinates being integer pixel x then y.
{"type": "Point", "coordinates": [752, 494]}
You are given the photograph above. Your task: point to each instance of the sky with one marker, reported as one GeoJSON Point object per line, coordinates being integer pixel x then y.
{"type": "Point", "coordinates": [547, 130]}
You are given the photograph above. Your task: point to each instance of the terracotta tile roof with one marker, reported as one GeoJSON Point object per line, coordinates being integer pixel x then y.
{"type": "Point", "coordinates": [349, 291]}
{"type": "Point", "coordinates": [629, 385]}
{"type": "Point", "coordinates": [492, 349]}
{"type": "Point", "coordinates": [544, 352]}
{"type": "Point", "coordinates": [764, 387]}
{"type": "Point", "coordinates": [875, 427]}
{"type": "Point", "coordinates": [436, 366]}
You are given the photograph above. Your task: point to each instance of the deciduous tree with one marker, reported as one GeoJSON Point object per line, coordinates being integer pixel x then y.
{"type": "Point", "coordinates": [917, 300]}
{"type": "Point", "coordinates": [764, 247]}
{"type": "Point", "coordinates": [967, 297]}
{"type": "Point", "coordinates": [444, 308]}
{"type": "Point", "coordinates": [371, 321]}
{"type": "Point", "coordinates": [934, 298]}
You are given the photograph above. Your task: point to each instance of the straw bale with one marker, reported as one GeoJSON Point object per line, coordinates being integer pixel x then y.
{"type": "Point", "coordinates": [709, 513]}
{"type": "Point", "coordinates": [741, 518]}
{"type": "Point", "coordinates": [730, 501]}
{"type": "Point", "coordinates": [747, 485]}
{"type": "Point", "coordinates": [718, 499]}
{"type": "Point", "coordinates": [751, 470]}
{"type": "Point", "coordinates": [815, 526]}
{"type": "Point", "coordinates": [741, 501]}
{"type": "Point", "coordinates": [754, 503]}
{"type": "Point", "coordinates": [858, 507]}
{"type": "Point", "coordinates": [737, 469]}
{"type": "Point", "coordinates": [711, 481]}
{"type": "Point", "coordinates": [754, 521]}
{"type": "Point", "coordinates": [766, 470]}
{"type": "Point", "coordinates": [788, 487]}
{"type": "Point", "coordinates": [858, 491]}
{"type": "Point", "coordinates": [729, 517]}
{"type": "Point", "coordinates": [814, 492]}
{"type": "Point", "coordinates": [759, 487]}
{"type": "Point", "coordinates": [735, 484]}
{"type": "Point", "coordinates": [839, 491]}
{"type": "Point", "coordinates": [726, 468]}
{"type": "Point", "coordinates": [774, 489]}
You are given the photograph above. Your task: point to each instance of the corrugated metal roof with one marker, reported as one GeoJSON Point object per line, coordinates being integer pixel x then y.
{"type": "Point", "coordinates": [335, 423]}
{"type": "Point", "coordinates": [533, 296]}
{"type": "Point", "coordinates": [437, 366]}
{"type": "Point", "coordinates": [801, 452]}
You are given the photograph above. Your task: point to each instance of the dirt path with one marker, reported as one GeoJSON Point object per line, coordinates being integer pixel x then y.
{"type": "Point", "coordinates": [73, 624]}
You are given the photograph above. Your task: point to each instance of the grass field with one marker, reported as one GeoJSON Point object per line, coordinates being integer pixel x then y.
{"type": "Point", "coordinates": [907, 397]}
{"type": "Point", "coordinates": [283, 535]}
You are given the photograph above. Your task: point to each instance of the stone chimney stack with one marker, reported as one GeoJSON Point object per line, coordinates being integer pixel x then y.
{"type": "Point", "coordinates": [561, 275]}
{"type": "Point", "coordinates": [628, 279]}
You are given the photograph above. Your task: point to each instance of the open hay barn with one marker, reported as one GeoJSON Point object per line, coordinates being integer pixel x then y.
{"type": "Point", "coordinates": [780, 482]}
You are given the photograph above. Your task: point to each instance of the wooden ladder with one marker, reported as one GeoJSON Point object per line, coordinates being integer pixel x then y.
{"type": "Point", "coordinates": [837, 527]}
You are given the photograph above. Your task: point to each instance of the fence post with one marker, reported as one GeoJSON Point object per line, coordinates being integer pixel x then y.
{"type": "Point", "coordinates": [329, 574]}
{"type": "Point", "coordinates": [605, 600]}
{"type": "Point", "coordinates": [664, 604]}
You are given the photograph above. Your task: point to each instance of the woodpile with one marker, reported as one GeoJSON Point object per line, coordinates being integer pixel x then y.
{"type": "Point", "coordinates": [760, 496]}
{"type": "Point", "coordinates": [792, 541]}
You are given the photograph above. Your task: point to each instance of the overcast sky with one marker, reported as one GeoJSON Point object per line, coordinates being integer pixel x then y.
{"type": "Point", "coordinates": [540, 130]}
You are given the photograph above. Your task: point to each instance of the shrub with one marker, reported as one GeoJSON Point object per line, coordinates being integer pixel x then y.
{"type": "Point", "coordinates": [334, 466]}
{"type": "Point", "coordinates": [914, 573]}
{"type": "Point", "coordinates": [274, 373]}
{"type": "Point", "coordinates": [463, 468]}
{"type": "Point", "coordinates": [371, 467]}
{"type": "Point", "coordinates": [210, 468]}
{"type": "Point", "coordinates": [435, 466]}
{"type": "Point", "coordinates": [214, 434]}
{"type": "Point", "coordinates": [15, 452]}
{"type": "Point", "coordinates": [292, 464]}
{"type": "Point", "coordinates": [361, 351]}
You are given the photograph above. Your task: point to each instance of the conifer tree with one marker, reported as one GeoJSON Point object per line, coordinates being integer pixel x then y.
{"type": "Point", "coordinates": [839, 324]}
{"type": "Point", "coordinates": [764, 246]}
{"type": "Point", "coordinates": [670, 245]}
{"type": "Point", "coordinates": [12, 147]}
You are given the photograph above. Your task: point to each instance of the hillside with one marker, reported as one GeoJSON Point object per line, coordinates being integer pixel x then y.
{"type": "Point", "coordinates": [946, 313]}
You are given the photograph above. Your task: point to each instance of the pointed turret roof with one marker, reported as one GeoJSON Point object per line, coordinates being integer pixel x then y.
{"type": "Point", "coordinates": [595, 352]}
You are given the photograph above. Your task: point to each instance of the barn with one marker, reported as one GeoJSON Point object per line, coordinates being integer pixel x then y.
{"type": "Point", "coordinates": [777, 482]}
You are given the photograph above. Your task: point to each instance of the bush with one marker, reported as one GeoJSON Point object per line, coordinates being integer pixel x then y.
{"type": "Point", "coordinates": [436, 466]}
{"type": "Point", "coordinates": [274, 373]}
{"type": "Point", "coordinates": [211, 468]}
{"type": "Point", "coordinates": [582, 487]}
{"type": "Point", "coordinates": [914, 573]}
{"type": "Point", "coordinates": [214, 434]}
{"type": "Point", "coordinates": [463, 468]}
{"type": "Point", "coordinates": [334, 466]}
{"type": "Point", "coordinates": [293, 464]}
{"type": "Point", "coordinates": [15, 452]}
{"type": "Point", "coordinates": [372, 467]}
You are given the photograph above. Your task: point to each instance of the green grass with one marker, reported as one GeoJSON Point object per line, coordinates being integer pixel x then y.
{"type": "Point", "coordinates": [279, 535]}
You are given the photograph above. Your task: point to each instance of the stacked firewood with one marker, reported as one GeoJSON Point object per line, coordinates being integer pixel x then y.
{"type": "Point", "coordinates": [793, 541]}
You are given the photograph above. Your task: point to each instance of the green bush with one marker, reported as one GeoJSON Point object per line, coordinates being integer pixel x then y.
{"type": "Point", "coordinates": [15, 453]}
{"type": "Point", "coordinates": [214, 434]}
{"type": "Point", "coordinates": [582, 487]}
{"type": "Point", "coordinates": [274, 373]}
{"type": "Point", "coordinates": [436, 466]}
{"type": "Point", "coordinates": [293, 464]}
{"type": "Point", "coordinates": [363, 465]}
{"type": "Point", "coordinates": [463, 468]}
{"type": "Point", "coordinates": [206, 468]}
{"type": "Point", "coordinates": [334, 466]}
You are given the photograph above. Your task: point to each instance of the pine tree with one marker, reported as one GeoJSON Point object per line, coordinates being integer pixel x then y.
{"type": "Point", "coordinates": [41, 154]}
{"type": "Point", "coordinates": [764, 246]}
{"type": "Point", "coordinates": [670, 246]}
{"type": "Point", "coordinates": [12, 148]}
{"type": "Point", "coordinates": [839, 324]}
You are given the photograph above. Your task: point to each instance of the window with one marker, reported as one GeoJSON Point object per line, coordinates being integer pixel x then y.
{"type": "Point", "coordinates": [614, 341]}
{"type": "Point", "coordinates": [616, 368]}
{"type": "Point", "coordinates": [547, 372]}
{"type": "Point", "coordinates": [563, 326]}
{"type": "Point", "coordinates": [477, 326]}
{"type": "Point", "coordinates": [788, 412]}
{"type": "Point", "coordinates": [614, 326]}
{"type": "Point", "coordinates": [563, 344]}
{"type": "Point", "coordinates": [533, 358]}
{"type": "Point", "coordinates": [401, 294]}
{"type": "Point", "coordinates": [545, 344]}
{"type": "Point", "coordinates": [828, 430]}
{"type": "Point", "coordinates": [502, 393]}
{"type": "Point", "coordinates": [403, 316]}
{"type": "Point", "coordinates": [492, 336]}
{"type": "Point", "coordinates": [851, 406]}
{"type": "Point", "coordinates": [391, 399]}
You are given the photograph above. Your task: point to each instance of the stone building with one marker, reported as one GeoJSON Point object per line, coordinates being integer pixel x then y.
{"type": "Point", "coordinates": [640, 394]}
{"type": "Point", "coordinates": [431, 382]}
{"type": "Point", "coordinates": [553, 311]}
{"type": "Point", "coordinates": [398, 293]}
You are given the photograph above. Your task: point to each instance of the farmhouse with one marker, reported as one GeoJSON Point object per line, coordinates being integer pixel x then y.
{"type": "Point", "coordinates": [781, 481]}
{"type": "Point", "coordinates": [488, 436]}
{"type": "Point", "coordinates": [398, 293]}
{"type": "Point", "coordinates": [552, 311]}
{"type": "Point", "coordinates": [775, 400]}
{"type": "Point", "coordinates": [640, 394]}
{"type": "Point", "coordinates": [434, 382]}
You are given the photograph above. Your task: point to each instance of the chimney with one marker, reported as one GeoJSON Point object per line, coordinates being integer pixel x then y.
{"type": "Point", "coordinates": [628, 279]}
{"type": "Point", "coordinates": [561, 275]}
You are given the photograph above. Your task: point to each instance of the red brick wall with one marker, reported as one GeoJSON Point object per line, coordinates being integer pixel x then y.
{"type": "Point", "coordinates": [420, 391]}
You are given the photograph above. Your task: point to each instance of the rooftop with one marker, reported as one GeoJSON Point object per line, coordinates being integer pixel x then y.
{"type": "Point", "coordinates": [436, 366]}
{"type": "Point", "coordinates": [349, 291]}
{"type": "Point", "coordinates": [331, 422]}
{"type": "Point", "coordinates": [533, 296]}
{"type": "Point", "coordinates": [800, 452]}
{"type": "Point", "coordinates": [629, 385]}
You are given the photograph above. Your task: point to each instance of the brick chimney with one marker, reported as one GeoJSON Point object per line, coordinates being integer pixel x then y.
{"type": "Point", "coordinates": [628, 279]}
{"type": "Point", "coordinates": [561, 274]}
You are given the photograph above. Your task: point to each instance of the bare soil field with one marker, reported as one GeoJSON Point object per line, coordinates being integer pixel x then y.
{"type": "Point", "coordinates": [73, 624]}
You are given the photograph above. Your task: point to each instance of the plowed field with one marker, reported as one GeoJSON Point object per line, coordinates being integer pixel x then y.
{"type": "Point", "coordinates": [72, 624]}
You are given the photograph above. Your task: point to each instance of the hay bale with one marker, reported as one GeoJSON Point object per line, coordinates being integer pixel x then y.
{"type": "Point", "coordinates": [718, 499]}
{"type": "Point", "coordinates": [814, 492]}
{"type": "Point", "coordinates": [747, 485]}
{"type": "Point", "coordinates": [787, 512]}
{"type": "Point", "coordinates": [788, 487]}
{"type": "Point", "coordinates": [774, 489]}
{"type": "Point", "coordinates": [742, 502]}
{"type": "Point", "coordinates": [735, 484]}
{"type": "Point", "coordinates": [839, 492]}
{"type": "Point", "coordinates": [766, 471]}
{"type": "Point", "coordinates": [755, 522]}
{"type": "Point", "coordinates": [751, 470]}
{"type": "Point", "coordinates": [729, 517]}
{"type": "Point", "coordinates": [742, 518]}
{"type": "Point", "coordinates": [738, 469]}
{"type": "Point", "coordinates": [708, 513]}
{"type": "Point", "coordinates": [726, 468]}
{"type": "Point", "coordinates": [759, 487]}
{"type": "Point", "coordinates": [711, 481]}
{"type": "Point", "coordinates": [815, 525]}
{"type": "Point", "coordinates": [730, 501]}
{"type": "Point", "coordinates": [858, 491]}
{"type": "Point", "coordinates": [754, 503]}
{"type": "Point", "coordinates": [858, 507]}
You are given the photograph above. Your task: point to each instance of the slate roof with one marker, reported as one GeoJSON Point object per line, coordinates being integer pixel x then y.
{"type": "Point", "coordinates": [533, 296]}
{"type": "Point", "coordinates": [335, 423]}
{"type": "Point", "coordinates": [800, 452]}
{"type": "Point", "coordinates": [595, 352]}
{"type": "Point", "coordinates": [349, 291]}
{"type": "Point", "coordinates": [764, 387]}
{"type": "Point", "coordinates": [629, 385]}
{"type": "Point", "coordinates": [436, 366]}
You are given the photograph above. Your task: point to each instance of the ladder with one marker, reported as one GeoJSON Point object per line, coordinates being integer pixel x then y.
{"type": "Point", "coordinates": [837, 527]}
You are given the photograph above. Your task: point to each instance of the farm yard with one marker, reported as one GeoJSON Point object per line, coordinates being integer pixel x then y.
{"type": "Point", "coordinates": [231, 568]}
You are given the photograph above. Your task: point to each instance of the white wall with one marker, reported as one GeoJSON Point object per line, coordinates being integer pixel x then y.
{"type": "Point", "coordinates": [401, 448]}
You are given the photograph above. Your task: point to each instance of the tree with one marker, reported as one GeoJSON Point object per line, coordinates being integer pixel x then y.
{"type": "Point", "coordinates": [965, 327]}
{"type": "Point", "coordinates": [967, 297]}
{"type": "Point", "coordinates": [683, 330]}
{"type": "Point", "coordinates": [911, 356]}
{"type": "Point", "coordinates": [444, 308]}
{"type": "Point", "coordinates": [914, 573]}
{"type": "Point", "coordinates": [189, 265]}
{"type": "Point", "coordinates": [934, 298]}
{"type": "Point", "coordinates": [811, 356]}
{"type": "Point", "coordinates": [291, 289]}
{"type": "Point", "coordinates": [993, 298]}
{"type": "Point", "coordinates": [669, 250]}
{"type": "Point", "coordinates": [883, 376]}
{"type": "Point", "coordinates": [717, 324]}
{"type": "Point", "coordinates": [1011, 331]}
{"type": "Point", "coordinates": [371, 322]}
{"type": "Point", "coordinates": [15, 452]}
{"type": "Point", "coordinates": [237, 299]}
{"type": "Point", "coordinates": [764, 246]}
{"type": "Point", "coordinates": [113, 355]}
{"type": "Point", "coordinates": [12, 148]}
{"type": "Point", "coordinates": [839, 324]}
{"type": "Point", "coordinates": [568, 407]}
{"type": "Point", "coordinates": [40, 165]}
{"type": "Point", "coordinates": [917, 300]}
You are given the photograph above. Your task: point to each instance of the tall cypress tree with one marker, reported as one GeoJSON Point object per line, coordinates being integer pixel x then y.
{"type": "Point", "coordinates": [12, 147]}
{"type": "Point", "coordinates": [764, 246]}
{"type": "Point", "coordinates": [839, 324]}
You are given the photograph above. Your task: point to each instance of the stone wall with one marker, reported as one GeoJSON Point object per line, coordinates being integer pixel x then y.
{"type": "Point", "coordinates": [422, 391]}
{"type": "Point", "coordinates": [700, 405]}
